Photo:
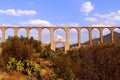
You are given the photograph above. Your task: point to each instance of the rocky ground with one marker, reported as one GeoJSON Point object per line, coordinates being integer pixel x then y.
{"type": "Point", "coordinates": [47, 72]}
{"type": "Point", "coordinates": [13, 75]}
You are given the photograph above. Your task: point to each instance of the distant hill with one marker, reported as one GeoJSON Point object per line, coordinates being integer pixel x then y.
{"type": "Point", "coordinates": [106, 38]}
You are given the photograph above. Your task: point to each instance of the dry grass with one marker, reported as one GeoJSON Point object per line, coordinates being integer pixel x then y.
{"type": "Point", "coordinates": [13, 75]}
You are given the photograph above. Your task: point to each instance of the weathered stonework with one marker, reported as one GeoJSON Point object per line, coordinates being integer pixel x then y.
{"type": "Point", "coordinates": [67, 31]}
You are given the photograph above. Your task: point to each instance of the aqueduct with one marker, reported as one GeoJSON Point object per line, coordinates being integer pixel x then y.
{"type": "Point", "coordinates": [67, 31]}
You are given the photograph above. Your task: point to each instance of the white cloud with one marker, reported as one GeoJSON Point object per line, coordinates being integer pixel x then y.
{"type": "Point", "coordinates": [112, 18]}
{"type": "Point", "coordinates": [59, 37]}
{"type": "Point", "coordinates": [18, 12]}
{"type": "Point", "coordinates": [91, 20]}
{"type": "Point", "coordinates": [87, 7]}
{"type": "Point", "coordinates": [69, 25]}
{"type": "Point", "coordinates": [95, 21]}
{"type": "Point", "coordinates": [37, 22]}
{"type": "Point", "coordinates": [6, 24]}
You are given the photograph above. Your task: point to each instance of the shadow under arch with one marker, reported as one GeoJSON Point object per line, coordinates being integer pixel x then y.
{"type": "Point", "coordinates": [45, 36]}
{"type": "Point", "coordinates": [95, 36]}
{"type": "Point", "coordinates": [106, 35]}
{"type": "Point", "coordinates": [34, 33]}
{"type": "Point", "coordinates": [116, 34]}
{"type": "Point", "coordinates": [84, 36]}
{"type": "Point", "coordinates": [59, 34]}
{"type": "Point", "coordinates": [9, 32]}
{"type": "Point", "coordinates": [22, 32]}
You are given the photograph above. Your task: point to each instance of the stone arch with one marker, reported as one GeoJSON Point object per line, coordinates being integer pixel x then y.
{"type": "Point", "coordinates": [84, 36]}
{"type": "Point", "coordinates": [117, 34]}
{"type": "Point", "coordinates": [59, 34]}
{"type": "Point", "coordinates": [0, 35]}
{"type": "Point", "coordinates": [95, 36]}
{"type": "Point", "coordinates": [56, 28]}
{"type": "Point", "coordinates": [22, 32]}
{"type": "Point", "coordinates": [45, 35]}
{"type": "Point", "coordinates": [106, 35]}
{"type": "Point", "coordinates": [34, 33]}
{"type": "Point", "coordinates": [73, 36]}
{"type": "Point", "coordinates": [9, 32]}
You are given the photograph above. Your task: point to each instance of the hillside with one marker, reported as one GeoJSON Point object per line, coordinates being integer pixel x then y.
{"type": "Point", "coordinates": [30, 61]}
{"type": "Point", "coordinates": [106, 38]}
{"type": "Point", "coordinates": [100, 62]}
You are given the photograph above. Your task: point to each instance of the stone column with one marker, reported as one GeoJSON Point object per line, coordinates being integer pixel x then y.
{"type": "Point", "coordinates": [52, 38]}
{"type": "Point", "coordinates": [67, 45]}
{"type": "Point", "coordinates": [39, 34]}
{"type": "Point", "coordinates": [15, 31]}
{"type": "Point", "coordinates": [28, 32]}
{"type": "Point", "coordinates": [3, 34]}
{"type": "Point", "coordinates": [79, 37]}
{"type": "Point", "coordinates": [90, 36]}
{"type": "Point", "coordinates": [101, 35]}
{"type": "Point", "coordinates": [112, 35]}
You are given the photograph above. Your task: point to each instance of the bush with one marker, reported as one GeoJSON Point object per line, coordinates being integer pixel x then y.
{"type": "Point", "coordinates": [26, 66]}
{"type": "Point", "coordinates": [25, 49]}
{"type": "Point", "coordinates": [14, 47]}
{"type": "Point", "coordinates": [48, 53]}
{"type": "Point", "coordinates": [100, 62]}
{"type": "Point", "coordinates": [11, 65]}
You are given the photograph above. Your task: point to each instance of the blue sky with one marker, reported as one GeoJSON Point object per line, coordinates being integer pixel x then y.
{"type": "Point", "coordinates": [60, 12]}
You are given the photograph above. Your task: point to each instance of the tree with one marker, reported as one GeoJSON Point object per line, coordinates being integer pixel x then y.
{"type": "Point", "coordinates": [14, 47]}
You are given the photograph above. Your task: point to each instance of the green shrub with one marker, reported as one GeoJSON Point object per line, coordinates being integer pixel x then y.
{"type": "Point", "coordinates": [48, 54]}
{"type": "Point", "coordinates": [26, 66]}
{"type": "Point", "coordinates": [31, 67]}
{"type": "Point", "coordinates": [19, 66]}
{"type": "Point", "coordinates": [11, 65]}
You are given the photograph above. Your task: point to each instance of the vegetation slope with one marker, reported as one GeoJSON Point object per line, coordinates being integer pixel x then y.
{"type": "Point", "coordinates": [28, 60]}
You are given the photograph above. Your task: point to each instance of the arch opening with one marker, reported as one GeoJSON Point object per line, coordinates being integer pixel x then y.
{"type": "Point", "coordinates": [73, 37]}
{"type": "Point", "coordinates": [95, 36]}
{"type": "Point", "coordinates": [9, 32]}
{"type": "Point", "coordinates": [59, 35]}
{"type": "Point", "coordinates": [45, 35]}
{"type": "Point", "coordinates": [21, 32]}
{"type": "Point", "coordinates": [116, 34]}
{"type": "Point", "coordinates": [84, 36]}
{"type": "Point", "coordinates": [106, 35]}
{"type": "Point", "coordinates": [34, 33]}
